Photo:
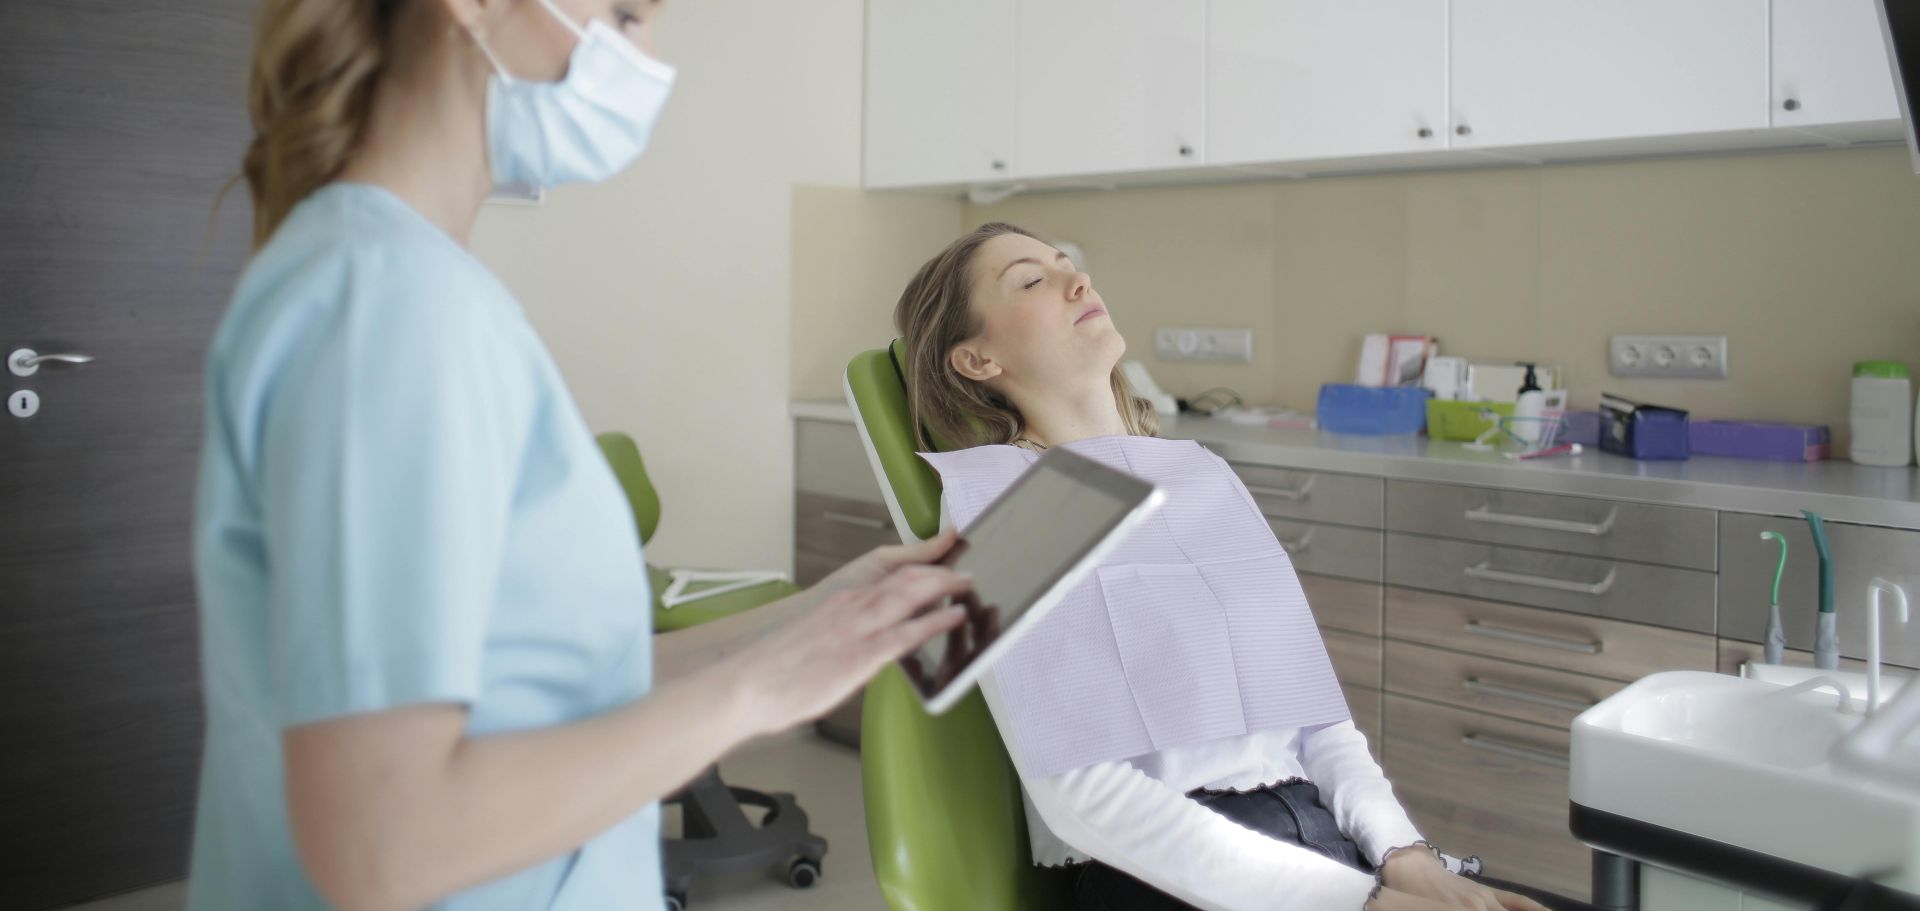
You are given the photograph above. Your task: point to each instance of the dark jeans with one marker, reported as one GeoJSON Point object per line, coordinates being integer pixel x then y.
{"type": "Point", "coordinates": [1290, 812]}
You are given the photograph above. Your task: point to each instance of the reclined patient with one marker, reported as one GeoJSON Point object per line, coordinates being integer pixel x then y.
{"type": "Point", "coordinates": [1177, 727]}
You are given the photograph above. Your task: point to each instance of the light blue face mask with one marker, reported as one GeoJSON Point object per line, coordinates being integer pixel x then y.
{"type": "Point", "coordinates": [586, 127]}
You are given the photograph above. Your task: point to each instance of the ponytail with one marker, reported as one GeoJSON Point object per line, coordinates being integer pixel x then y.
{"type": "Point", "coordinates": [315, 63]}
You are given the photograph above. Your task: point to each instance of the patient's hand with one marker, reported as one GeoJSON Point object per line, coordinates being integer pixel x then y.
{"type": "Point", "coordinates": [1416, 873]}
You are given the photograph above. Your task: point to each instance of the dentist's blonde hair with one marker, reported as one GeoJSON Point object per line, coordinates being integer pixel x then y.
{"type": "Point", "coordinates": [310, 87]}
{"type": "Point", "coordinates": [935, 314]}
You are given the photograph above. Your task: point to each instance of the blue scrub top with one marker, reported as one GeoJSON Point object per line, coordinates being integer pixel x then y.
{"type": "Point", "coordinates": [399, 503]}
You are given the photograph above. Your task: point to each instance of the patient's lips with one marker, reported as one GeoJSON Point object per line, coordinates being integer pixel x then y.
{"type": "Point", "coordinates": [1092, 311]}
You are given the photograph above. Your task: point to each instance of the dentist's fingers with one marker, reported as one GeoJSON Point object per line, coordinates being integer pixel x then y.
{"type": "Point", "coordinates": [896, 555]}
{"type": "Point", "coordinates": [908, 590]}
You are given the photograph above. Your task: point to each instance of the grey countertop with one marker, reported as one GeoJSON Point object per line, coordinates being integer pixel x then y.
{"type": "Point", "coordinates": [1841, 491]}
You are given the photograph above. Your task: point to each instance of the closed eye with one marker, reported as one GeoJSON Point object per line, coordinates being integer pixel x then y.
{"type": "Point", "coordinates": [1029, 286]}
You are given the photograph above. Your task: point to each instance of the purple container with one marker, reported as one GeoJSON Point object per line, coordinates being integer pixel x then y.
{"type": "Point", "coordinates": [1583, 427]}
{"type": "Point", "coordinates": [1639, 431]}
{"type": "Point", "coordinates": [1755, 440]}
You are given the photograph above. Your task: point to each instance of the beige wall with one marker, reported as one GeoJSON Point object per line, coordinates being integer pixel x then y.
{"type": "Point", "coordinates": [1806, 261]}
{"type": "Point", "coordinates": [664, 295]}
{"type": "Point", "coordinates": [853, 252]}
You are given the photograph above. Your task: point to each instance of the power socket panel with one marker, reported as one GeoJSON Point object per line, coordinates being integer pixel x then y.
{"type": "Point", "coordinates": [1668, 356]}
{"type": "Point", "coordinates": [1219, 345]}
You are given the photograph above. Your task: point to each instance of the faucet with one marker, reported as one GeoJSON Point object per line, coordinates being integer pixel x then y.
{"type": "Point", "coordinates": [1874, 589]}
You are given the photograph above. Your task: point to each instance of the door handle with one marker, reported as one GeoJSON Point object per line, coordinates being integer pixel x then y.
{"type": "Point", "coordinates": [1482, 688]}
{"type": "Point", "coordinates": [1486, 515]}
{"type": "Point", "coordinates": [26, 361]}
{"type": "Point", "coordinates": [1294, 494]}
{"type": "Point", "coordinates": [1486, 744]}
{"type": "Point", "coordinates": [1485, 572]}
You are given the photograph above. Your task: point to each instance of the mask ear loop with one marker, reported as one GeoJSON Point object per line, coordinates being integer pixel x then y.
{"type": "Point", "coordinates": [566, 20]}
{"type": "Point", "coordinates": [474, 33]}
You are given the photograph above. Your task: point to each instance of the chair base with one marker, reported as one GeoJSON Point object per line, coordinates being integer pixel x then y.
{"type": "Point", "coordinates": [717, 838]}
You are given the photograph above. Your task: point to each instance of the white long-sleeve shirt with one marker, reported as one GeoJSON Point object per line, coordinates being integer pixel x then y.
{"type": "Point", "coordinates": [1134, 815]}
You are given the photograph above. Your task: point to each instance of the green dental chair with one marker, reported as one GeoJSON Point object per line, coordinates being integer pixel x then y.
{"type": "Point", "coordinates": [945, 822]}
{"type": "Point", "coordinates": [717, 836]}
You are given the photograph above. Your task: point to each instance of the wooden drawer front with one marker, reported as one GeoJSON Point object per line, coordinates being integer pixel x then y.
{"type": "Point", "coordinates": [1668, 535]}
{"type": "Point", "coordinates": [1356, 659]}
{"type": "Point", "coordinates": [1477, 784]}
{"type": "Point", "coordinates": [1364, 703]}
{"type": "Point", "coordinates": [839, 527]}
{"type": "Point", "coordinates": [1314, 496]}
{"type": "Point", "coordinates": [1860, 553]}
{"type": "Point", "coordinates": [809, 568]}
{"type": "Point", "coordinates": [1344, 605]}
{"type": "Point", "coordinates": [1493, 685]}
{"type": "Point", "coordinates": [1678, 598]}
{"type": "Point", "coordinates": [830, 459]}
{"type": "Point", "coordinates": [1569, 642]}
{"type": "Point", "coordinates": [1331, 550]}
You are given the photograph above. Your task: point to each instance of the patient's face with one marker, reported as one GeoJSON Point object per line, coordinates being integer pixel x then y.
{"type": "Point", "coordinates": [1041, 320]}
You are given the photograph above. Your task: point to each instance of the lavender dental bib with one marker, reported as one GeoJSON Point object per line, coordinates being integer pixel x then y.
{"type": "Point", "coordinates": [1194, 629]}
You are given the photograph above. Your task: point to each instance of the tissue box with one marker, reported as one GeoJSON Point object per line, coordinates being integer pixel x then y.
{"type": "Point", "coordinates": [1640, 431]}
{"type": "Point", "coordinates": [1756, 440]}
{"type": "Point", "coordinates": [1372, 411]}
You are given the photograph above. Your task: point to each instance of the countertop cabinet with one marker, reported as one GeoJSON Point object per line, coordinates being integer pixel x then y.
{"type": "Point", "coordinates": [1830, 64]}
{"type": "Point", "coordinates": [939, 85]}
{"type": "Point", "coordinates": [1298, 79]}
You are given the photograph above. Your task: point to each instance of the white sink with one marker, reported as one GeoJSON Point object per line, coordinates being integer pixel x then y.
{"type": "Point", "coordinates": [1745, 763]}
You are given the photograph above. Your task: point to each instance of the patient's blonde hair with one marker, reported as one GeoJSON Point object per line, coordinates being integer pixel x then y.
{"type": "Point", "coordinates": [935, 314]}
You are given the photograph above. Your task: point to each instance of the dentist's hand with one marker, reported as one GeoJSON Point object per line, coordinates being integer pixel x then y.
{"type": "Point", "coordinates": [869, 568]}
{"type": "Point", "coordinates": [798, 671]}
{"type": "Point", "coordinates": [1416, 873]}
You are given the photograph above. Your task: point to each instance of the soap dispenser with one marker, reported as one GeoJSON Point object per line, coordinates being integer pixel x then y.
{"type": "Point", "coordinates": [1527, 408]}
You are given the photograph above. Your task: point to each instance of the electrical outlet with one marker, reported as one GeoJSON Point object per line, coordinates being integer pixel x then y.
{"type": "Point", "coordinates": [1230, 345]}
{"type": "Point", "coordinates": [1669, 356]}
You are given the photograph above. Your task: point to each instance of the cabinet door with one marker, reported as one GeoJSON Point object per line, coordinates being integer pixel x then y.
{"type": "Point", "coordinates": [1548, 71]}
{"type": "Point", "coordinates": [1109, 85]}
{"type": "Point", "coordinates": [939, 92]}
{"type": "Point", "coordinates": [1298, 79]}
{"type": "Point", "coordinates": [1830, 63]}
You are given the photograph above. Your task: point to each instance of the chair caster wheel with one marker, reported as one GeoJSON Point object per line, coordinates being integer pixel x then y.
{"type": "Point", "coordinates": [803, 873]}
{"type": "Point", "coordinates": [676, 901]}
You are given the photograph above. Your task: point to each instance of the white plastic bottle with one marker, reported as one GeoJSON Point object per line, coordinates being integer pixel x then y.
{"type": "Point", "coordinates": [1883, 414]}
{"type": "Point", "coordinates": [1528, 406]}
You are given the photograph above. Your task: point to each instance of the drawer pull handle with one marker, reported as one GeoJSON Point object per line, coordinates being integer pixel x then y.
{"type": "Point", "coordinates": [1596, 529]}
{"type": "Point", "coordinates": [1297, 546]}
{"type": "Point", "coordinates": [1485, 572]}
{"type": "Point", "coordinates": [855, 521]}
{"type": "Point", "coordinates": [1476, 628]}
{"type": "Point", "coordinates": [1292, 494]}
{"type": "Point", "coordinates": [1486, 744]}
{"type": "Point", "coordinates": [1482, 688]}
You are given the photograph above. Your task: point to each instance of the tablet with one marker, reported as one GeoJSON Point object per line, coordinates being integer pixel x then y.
{"type": "Point", "coordinates": [1040, 538]}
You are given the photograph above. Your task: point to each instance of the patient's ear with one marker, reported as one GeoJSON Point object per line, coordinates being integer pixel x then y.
{"type": "Point", "coordinates": [969, 361]}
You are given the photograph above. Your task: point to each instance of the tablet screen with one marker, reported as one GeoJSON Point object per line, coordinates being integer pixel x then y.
{"type": "Point", "coordinates": [1026, 542]}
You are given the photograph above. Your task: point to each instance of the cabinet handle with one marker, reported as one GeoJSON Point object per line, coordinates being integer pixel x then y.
{"type": "Point", "coordinates": [1791, 104]}
{"type": "Point", "coordinates": [1476, 628]}
{"type": "Point", "coordinates": [1425, 133]}
{"type": "Point", "coordinates": [1298, 546]}
{"type": "Point", "coordinates": [1486, 515]}
{"type": "Point", "coordinates": [1293, 494]}
{"type": "Point", "coordinates": [1186, 151]}
{"type": "Point", "coordinates": [1486, 573]}
{"type": "Point", "coordinates": [999, 165]}
{"type": "Point", "coordinates": [1486, 744]}
{"type": "Point", "coordinates": [1463, 130]}
{"type": "Point", "coordinates": [842, 518]}
{"type": "Point", "coordinates": [1481, 688]}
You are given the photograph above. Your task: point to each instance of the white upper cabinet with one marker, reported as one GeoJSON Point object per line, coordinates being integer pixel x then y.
{"type": "Point", "coordinates": [1303, 79]}
{"type": "Point", "coordinates": [940, 91]}
{"type": "Point", "coordinates": [1830, 63]}
{"type": "Point", "coordinates": [1528, 72]}
{"type": "Point", "coordinates": [1108, 85]}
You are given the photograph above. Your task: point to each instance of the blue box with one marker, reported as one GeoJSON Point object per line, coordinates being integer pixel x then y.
{"type": "Point", "coordinates": [1372, 410]}
{"type": "Point", "coordinates": [1640, 431]}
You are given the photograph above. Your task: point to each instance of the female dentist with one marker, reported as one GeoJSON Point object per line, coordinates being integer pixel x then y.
{"type": "Point", "coordinates": [425, 625]}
